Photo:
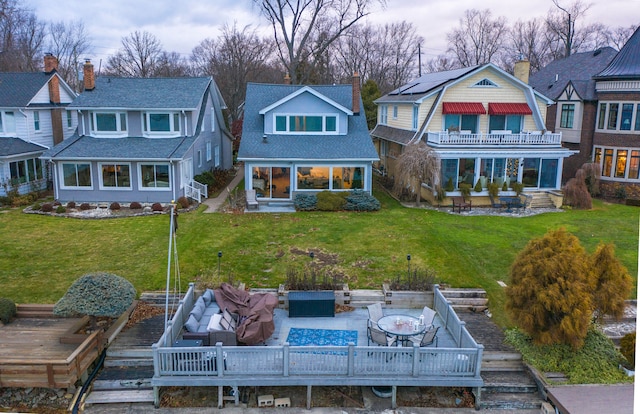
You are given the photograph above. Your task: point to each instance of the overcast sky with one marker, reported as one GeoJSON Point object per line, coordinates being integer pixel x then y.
{"type": "Point", "coordinates": [180, 26]}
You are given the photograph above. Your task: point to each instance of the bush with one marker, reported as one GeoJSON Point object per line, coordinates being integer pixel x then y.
{"type": "Point", "coordinates": [183, 202]}
{"type": "Point", "coordinates": [305, 202]}
{"type": "Point", "coordinates": [7, 310]}
{"type": "Point", "coordinates": [628, 348]}
{"type": "Point", "coordinates": [157, 207]}
{"type": "Point", "coordinates": [493, 189]}
{"type": "Point", "coordinates": [420, 280]}
{"type": "Point", "coordinates": [85, 206]}
{"type": "Point", "coordinates": [517, 187]}
{"type": "Point", "coordinates": [620, 192]}
{"type": "Point", "coordinates": [36, 206]}
{"type": "Point", "coordinates": [71, 204]}
{"type": "Point", "coordinates": [505, 187]}
{"type": "Point", "coordinates": [465, 189]}
{"type": "Point", "coordinates": [135, 206]}
{"type": "Point", "coordinates": [478, 187]}
{"type": "Point", "coordinates": [114, 206]}
{"type": "Point", "coordinates": [359, 200]}
{"type": "Point", "coordinates": [207, 178]}
{"type": "Point", "coordinates": [47, 207]}
{"type": "Point", "coordinates": [330, 201]}
{"type": "Point", "coordinates": [449, 186]}
{"type": "Point", "coordinates": [61, 209]}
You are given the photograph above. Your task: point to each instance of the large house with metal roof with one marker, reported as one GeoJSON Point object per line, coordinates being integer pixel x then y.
{"type": "Point", "coordinates": [485, 125]}
{"type": "Point", "coordinates": [32, 119]}
{"type": "Point", "coordinates": [141, 139]}
{"type": "Point", "coordinates": [298, 139]}
{"type": "Point", "coordinates": [569, 83]}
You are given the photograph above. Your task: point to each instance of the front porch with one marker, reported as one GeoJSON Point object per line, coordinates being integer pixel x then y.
{"type": "Point", "coordinates": [455, 362]}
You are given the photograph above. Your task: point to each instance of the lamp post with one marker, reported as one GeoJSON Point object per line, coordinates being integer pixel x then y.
{"type": "Point", "coordinates": [219, 257]}
{"type": "Point", "coordinates": [409, 266]}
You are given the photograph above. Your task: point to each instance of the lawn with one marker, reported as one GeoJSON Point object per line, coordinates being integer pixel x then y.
{"type": "Point", "coordinates": [40, 256]}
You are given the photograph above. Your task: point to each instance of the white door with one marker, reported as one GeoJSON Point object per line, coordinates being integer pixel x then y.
{"type": "Point", "coordinates": [187, 172]}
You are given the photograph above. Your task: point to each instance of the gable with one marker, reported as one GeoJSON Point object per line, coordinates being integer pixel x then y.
{"type": "Point", "coordinates": [308, 97]}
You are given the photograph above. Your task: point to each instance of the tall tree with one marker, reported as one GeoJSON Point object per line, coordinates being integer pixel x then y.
{"type": "Point", "coordinates": [564, 34]}
{"type": "Point", "coordinates": [527, 41]}
{"type": "Point", "coordinates": [297, 23]}
{"type": "Point", "coordinates": [20, 37]}
{"type": "Point", "coordinates": [138, 56]}
{"type": "Point", "coordinates": [171, 65]}
{"type": "Point", "coordinates": [236, 57]}
{"type": "Point", "coordinates": [68, 42]}
{"type": "Point", "coordinates": [29, 42]}
{"type": "Point", "coordinates": [610, 282]}
{"type": "Point", "coordinates": [478, 39]}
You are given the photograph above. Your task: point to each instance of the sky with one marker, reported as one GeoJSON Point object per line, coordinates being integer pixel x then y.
{"type": "Point", "coordinates": [180, 26]}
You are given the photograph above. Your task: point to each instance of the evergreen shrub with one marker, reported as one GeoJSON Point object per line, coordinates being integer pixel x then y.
{"type": "Point", "coordinates": [359, 200]}
{"type": "Point", "coordinates": [305, 202]}
{"type": "Point", "coordinates": [7, 310]}
{"type": "Point", "coordinates": [330, 201]}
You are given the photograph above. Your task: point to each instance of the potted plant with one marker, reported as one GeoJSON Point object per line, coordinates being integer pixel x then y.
{"type": "Point", "coordinates": [478, 187]}
{"type": "Point", "coordinates": [465, 190]}
{"type": "Point", "coordinates": [493, 189]}
{"type": "Point", "coordinates": [517, 187]}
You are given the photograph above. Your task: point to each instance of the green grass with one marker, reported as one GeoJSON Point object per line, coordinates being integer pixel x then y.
{"type": "Point", "coordinates": [40, 256]}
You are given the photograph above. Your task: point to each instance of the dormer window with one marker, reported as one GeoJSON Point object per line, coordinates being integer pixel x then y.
{"type": "Point", "coordinates": [161, 123]}
{"type": "Point", "coordinates": [290, 124]}
{"type": "Point", "coordinates": [110, 124]}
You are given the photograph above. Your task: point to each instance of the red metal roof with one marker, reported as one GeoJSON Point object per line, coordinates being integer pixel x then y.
{"type": "Point", "coordinates": [510, 108]}
{"type": "Point", "coordinates": [463, 108]}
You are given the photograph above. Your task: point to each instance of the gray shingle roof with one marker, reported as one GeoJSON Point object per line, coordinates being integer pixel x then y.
{"type": "Point", "coordinates": [401, 136]}
{"type": "Point", "coordinates": [144, 93]}
{"type": "Point", "coordinates": [626, 64]}
{"type": "Point", "coordinates": [356, 145]}
{"type": "Point", "coordinates": [16, 146]}
{"type": "Point", "coordinates": [578, 69]}
{"type": "Point", "coordinates": [18, 89]}
{"type": "Point", "coordinates": [130, 148]}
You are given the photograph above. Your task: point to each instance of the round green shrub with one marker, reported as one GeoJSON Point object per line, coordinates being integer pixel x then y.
{"type": "Point", "coordinates": [71, 204]}
{"type": "Point", "coordinates": [7, 310]}
{"type": "Point", "coordinates": [305, 202]}
{"type": "Point", "coordinates": [85, 206]}
{"type": "Point", "coordinates": [183, 202]}
{"type": "Point", "coordinates": [114, 206]}
{"type": "Point", "coordinates": [61, 209]}
{"type": "Point", "coordinates": [628, 348]}
{"type": "Point", "coordinates": [157, 207]}
{"type": "Point", "coordinates": [135, 206]}
{"type": "Point", "coordinates": [36, 206]}
{"type": "Point", "coordinates": [360, 200]}
{"type": "Point", "coordinates": [47, 207]}
{"type": "Point", "coordinates": [330, 201]}
{"type": "Point", "coordinates": [96, 294]}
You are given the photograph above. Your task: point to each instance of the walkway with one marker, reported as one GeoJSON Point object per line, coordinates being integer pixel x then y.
{"type": "Point", "coordinates": [214, 204]}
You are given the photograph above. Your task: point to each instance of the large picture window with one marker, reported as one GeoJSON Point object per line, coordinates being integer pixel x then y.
{"type": "Point", "coordinates": [109, 123]}
{"type": "Point", "coordinates": [306, 123]}
{"type": "Point", "coordinates": [115, 176]}
{"type": "Point", "coordinates": [155, 176]}
{"type": "Point", "coordinates": [161, 123]}
{"type": "Point", "coordinates": [511, 123]}
{"type": "Point", "coordinates": [618, 116]}
{"type": "Point", "coordinates": [76, 175]}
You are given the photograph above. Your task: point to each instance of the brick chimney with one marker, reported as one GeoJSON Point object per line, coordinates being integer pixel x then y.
{"type": "Point", "coordinates": [89, 76]}
{"type": "Point", "coordinates": [521, 70]}
{"type": "Point", "coordinates": [355, 93]}
{"type": "Point", "coordinates": [50, 63]}
{"type": "Point", "coordinates": [287, 79]}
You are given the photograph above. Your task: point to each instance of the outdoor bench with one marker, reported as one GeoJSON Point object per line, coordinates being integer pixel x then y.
{"type": "Point", "coordinates": [461, 203]}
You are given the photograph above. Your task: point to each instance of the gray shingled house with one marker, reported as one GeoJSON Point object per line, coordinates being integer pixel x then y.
{"type": "Point", "coordinates": [141, 139]}
{"type": "Point", "coordinates": [300, 139]}
{"type": "Point", "coordinates": [32, 119]}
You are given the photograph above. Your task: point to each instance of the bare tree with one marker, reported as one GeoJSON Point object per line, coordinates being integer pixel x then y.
{"type": "Point", "coordinates": [619, 36]}
{"type": "Point", "coordinates": [527, 41]}
{"type": "Point", "coordinates": [171, 64]}
{"type": "Point", "coordinates": [68, 42]}
{"type": "Point", "coordinates": [417, 164]}
{"type": "Point", "coordinates": [565, 36]}
{"type": "Point", "coordinates": [445, 61]}
{"type": "Point", "coordinates": [20, 37]}
{"type": "Point", "coordinates": [233, 59]}
{"type": "Point", "coordinates": [138, 56]}
{"type": "Point", "coordinates": [296, 24]}
{"type": "Point", "coordinates": [478, 39]}
{"type": "Point", "coordinates": [29, 42]}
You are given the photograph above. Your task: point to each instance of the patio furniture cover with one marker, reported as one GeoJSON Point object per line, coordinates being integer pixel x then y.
{"type": "Point", "coordinates": [255, 323]}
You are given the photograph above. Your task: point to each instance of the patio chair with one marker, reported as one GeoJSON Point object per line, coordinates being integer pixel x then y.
{"type": "Point", "coordinates": [251, 199]}
{"type": "Point", "coordinates": [430, 337]}
{"type": "Point", "coordinates": [375, 313]}
{"type": "Point", "coordinates": [429, 315]}
{"type": "Point", "coordinates": [379, 337]}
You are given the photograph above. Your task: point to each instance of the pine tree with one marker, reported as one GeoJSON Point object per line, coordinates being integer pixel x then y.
{"type": "Point", "coordinates": [610, 282]}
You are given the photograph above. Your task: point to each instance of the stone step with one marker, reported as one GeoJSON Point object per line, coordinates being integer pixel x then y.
{"type": "Point", "coordinates": [501, 361]}
{"type": "Point", "coordinates": [511, 401]}
{"type": "Point", "coordinates": [463, 293]}
{"type": "Point", "coordinates": [467, 301]}
{"type": "Point", "coordinates": [120, 396]}
{"type": "Point", "coordinates": [121, 384]}
{"type": "Point", "coordinates": [508, 382]}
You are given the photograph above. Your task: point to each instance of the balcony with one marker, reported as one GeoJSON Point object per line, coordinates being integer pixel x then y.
{"type": "Point", "coordinates": [535, 139]}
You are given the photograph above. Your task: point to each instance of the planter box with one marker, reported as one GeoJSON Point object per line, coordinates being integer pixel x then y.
{"type": "Point", "coordinates": [406, 298]}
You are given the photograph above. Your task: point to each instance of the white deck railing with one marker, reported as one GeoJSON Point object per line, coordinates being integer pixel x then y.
{"type": "Point", "coordinates": [195, 191]}
{"type": "Point", "coordinates": [536, 138]}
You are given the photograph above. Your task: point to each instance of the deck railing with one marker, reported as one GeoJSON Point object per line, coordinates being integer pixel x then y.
{"type": "Point", "coordinates": [536, 138]}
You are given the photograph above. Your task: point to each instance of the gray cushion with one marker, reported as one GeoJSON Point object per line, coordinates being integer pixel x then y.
{"type": "Point", "coordinates": [198, 310]}
{"type": "Point", "coordinates": [192, 324]}
{"type": "Point", "coordinates": [211, 309]}
{"type": "Point", "coordinates": [208, 297]}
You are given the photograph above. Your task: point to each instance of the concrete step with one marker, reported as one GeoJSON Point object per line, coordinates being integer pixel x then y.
{"type": "Point", "coordinates": [121, 353]}
{"type": "Point", "coordinates": [501, 361]}
{"type": "Point", "coordinates": [128, 362]}
{"type": "Point", "coordinates": [508, 382]}
{"type": "Point", "coordinates": [121, 384]}
{"type": "Point", "coordinates": [120, 396]}
{"type": "Point", "coordinates": [510, 401]}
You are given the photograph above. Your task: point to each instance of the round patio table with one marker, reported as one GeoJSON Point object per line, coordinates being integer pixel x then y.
{"type": "Point", "coordinates": [403, 326]}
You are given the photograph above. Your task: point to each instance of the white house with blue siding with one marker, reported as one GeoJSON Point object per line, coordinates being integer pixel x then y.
{"type": "Point", "coordinates": [141, 139]}
{"type": "Point", "coordinates": [300, 139]}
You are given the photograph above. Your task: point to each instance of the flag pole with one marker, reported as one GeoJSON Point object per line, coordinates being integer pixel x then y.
{"type": "Point", "coordinates": [166, 300]}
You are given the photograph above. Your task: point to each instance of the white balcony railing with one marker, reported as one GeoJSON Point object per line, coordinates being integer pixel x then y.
{"type": "Point", "coordinates": [496, 138]}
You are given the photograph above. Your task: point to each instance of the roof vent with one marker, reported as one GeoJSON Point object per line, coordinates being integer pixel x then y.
{"type": "Point", "coordinates": [597, 52]}
{"type": "Point", "coordinates": [264, 139]}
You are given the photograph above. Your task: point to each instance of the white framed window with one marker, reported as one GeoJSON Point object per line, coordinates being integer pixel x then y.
{"type": "Point", "coordinates": [165, 124]}
{"type": "Point", "coordinates": [7, 122]}
{"type": "Point", "coordinates": [109, 124]}
{"type": "Point", "coordinates": [199, 158]}
{"type": "Point", "coordinates": [216, 161]}
{"type": "Point", "coordinates": [618, 164]}
{"type": "Point", "coordinates": [36, 120]}
{"type": "Point", "coordinates": [76, 175]}
{"type": "Point", "coordinates": [566, 115]}
{"type": "Point", "coordinates": [414, 118]}
{"type": "Point", "coordinates": [383, 114]}
{"type": "Point", "coordinates": [69, 119]}
{"type": "Point", "coordinates": [618, 116]}
{"type": "Point", "coordinates": [115, 176]}
{"type": "Point", "coordinates": [309, 124]}
{"type": "Point", "coordinates": [395, 111]}
{"type": "Point", "coordinates": [25, 171]}
{"type": "Point", "coordinates": [213, 119]}
{"type": "Point", "coordinates": [208, 150]}
{"type": "Point", "coordinates": [154, 177]}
